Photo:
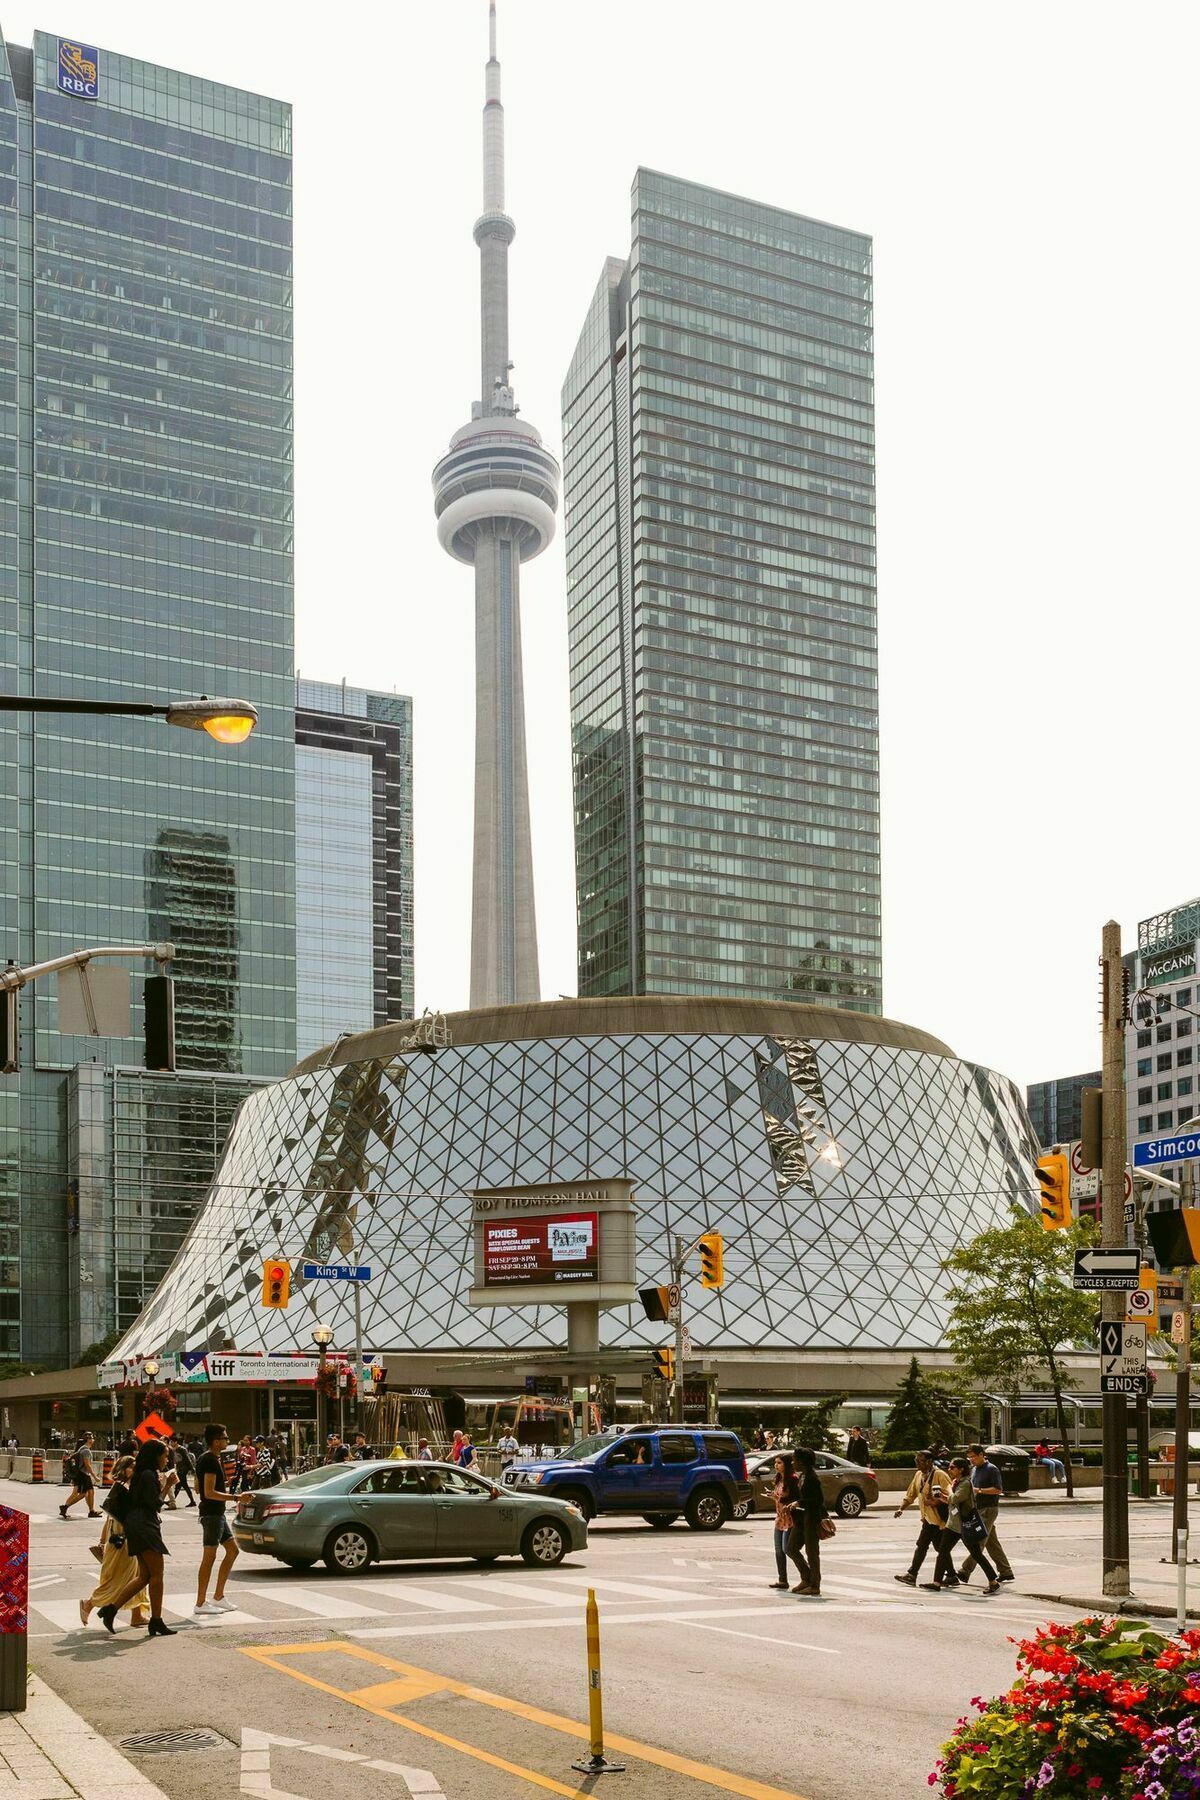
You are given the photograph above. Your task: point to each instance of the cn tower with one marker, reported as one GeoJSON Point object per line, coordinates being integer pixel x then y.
{"type": "Point", "coordinates": [495, 495]}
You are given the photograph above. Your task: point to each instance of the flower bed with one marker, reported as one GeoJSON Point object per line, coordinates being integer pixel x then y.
{"type": "Point", "coordinates": [1102, 1709]}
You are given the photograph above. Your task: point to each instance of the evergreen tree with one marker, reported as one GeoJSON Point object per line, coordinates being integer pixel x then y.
{"type": "Point", "coordinates": [922, 1414]}
{"type": "Point", "coordinates": [813, 1429]}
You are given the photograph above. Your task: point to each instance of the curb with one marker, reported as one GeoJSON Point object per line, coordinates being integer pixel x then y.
{"type": "Point", "coordinates": [1131, 1607]}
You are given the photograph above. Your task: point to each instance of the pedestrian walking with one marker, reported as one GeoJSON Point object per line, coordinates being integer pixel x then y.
{"type": "Point", "coordinates": [360, 1450]}
{"type": "Point", "coordinates": [337, 1452]}
{"type": "Point", "coordinates": [185, 1468]}
{"type": "Point", "coordinates": [787, 1498]}
{"type": "Point", "coordinates": [455, 1447]}
{"type": "Point", "coordinates": [929, 1490]}
{"type": "Point", "coordinates": [144, 1539]}
{"type": "Point", "coordinates": [509, 1449]}
{"type": "Point", "coordinates": [857, 1448]}
{"type": "Point", "coordinates": [811, 1515]}
{"type": "Point", "coordinates": [965, 1521]}
{"type": "Point", "coordinates": [215, 1533]}
{"type": "Point", "coordinates": [466, 1453]}
{"type": "Point", "coordinates": [264, 1464]}
{"type": "Point", "coordinates": [247, 1457]}
{"type": "Point", "coordinates": [81, 1471]}
{"type": "Point", "coordinates": [117, 1566]}
{"type": "Point", "coordinates": [988, 1485]}
{"type": "Point", "coordinates": [424, 1453]}
{"type": "Point", "coordinates": [1043, 1455]}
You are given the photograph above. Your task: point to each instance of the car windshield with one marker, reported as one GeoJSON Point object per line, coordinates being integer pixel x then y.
{"type": "Point", "coordinates": [326, 1472]}
{"type": "Point", "coordinates": [585, 1448]}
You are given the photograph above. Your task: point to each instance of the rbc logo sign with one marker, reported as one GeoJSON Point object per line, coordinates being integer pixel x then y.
{"type": "Point", "coordinates": [78, 69]}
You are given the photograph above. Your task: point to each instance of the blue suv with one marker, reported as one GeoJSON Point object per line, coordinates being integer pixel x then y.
{"type": "Point", "coordinates": [657, 1471]}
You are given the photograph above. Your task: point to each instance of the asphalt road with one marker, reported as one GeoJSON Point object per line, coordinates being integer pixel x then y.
{"type": "Point", "coordinates": [464, 1681]}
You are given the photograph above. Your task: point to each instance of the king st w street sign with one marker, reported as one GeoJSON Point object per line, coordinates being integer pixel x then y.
{"type": "Point", "coordinates": [1100, 1270]}
{"type": "Point", "coordinates": [346, 1272]}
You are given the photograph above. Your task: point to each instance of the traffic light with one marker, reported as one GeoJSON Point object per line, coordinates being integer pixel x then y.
{"type": "Point", "coordinates": [656, 1303]}
{"type": "Point", "coordinates": [1091, 1130]}
{"type": "Point", "coordinates": [664, 1364]}
{"type": "Point", "coordinates": [712, 1260]}
{"type": "Point", "coordinates": [1175, 1236]}
{"type": "Point", "coordinates": [277, 1280]}
{"type": "Point", "coordinates": [1054, 1173]}
{"type": "Point", "coordinates": [10, 1049]}
{"type": "Point", "coordinates": [159, 1008]}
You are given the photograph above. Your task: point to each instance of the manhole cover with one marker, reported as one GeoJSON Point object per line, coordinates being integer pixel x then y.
{"type": "Point", "coordinates": [174, 1743]}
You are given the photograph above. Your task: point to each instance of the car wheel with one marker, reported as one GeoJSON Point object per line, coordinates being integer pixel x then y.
{"type": "Point", "coordinates": [349, 1550]}
{"type": "Point", "coordinates": [850, 1502]}
{"type": "Point", "coordinates": [544, 1544]}
{"type": "Point", "coordinates": [660, 1521]}
{"type": "Point", "coordinates": [707, 1510]}
{"type": "Point", "coordinates": [577, 1497]}
{"type": "Point", "coordinates": [743, 1509]}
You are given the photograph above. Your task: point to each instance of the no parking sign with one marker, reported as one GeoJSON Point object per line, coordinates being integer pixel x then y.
{"type": "Point", "coordinates": [1142, 1302]}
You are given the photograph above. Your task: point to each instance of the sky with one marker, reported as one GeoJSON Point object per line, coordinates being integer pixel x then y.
{"type": "Point", "coordinates": [1027, 175]}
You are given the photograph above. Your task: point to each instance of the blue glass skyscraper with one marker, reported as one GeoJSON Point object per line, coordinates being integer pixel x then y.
{"type": "Point", "coordinates": [145, 551]}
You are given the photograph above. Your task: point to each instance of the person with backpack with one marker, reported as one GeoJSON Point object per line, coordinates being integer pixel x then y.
{"type": "Point", "coordinates": [117, 1566]}
{"type": "Point", "coordinates": [966, 1522]}
{"type": "Point", "coordinates": [80, 1471]}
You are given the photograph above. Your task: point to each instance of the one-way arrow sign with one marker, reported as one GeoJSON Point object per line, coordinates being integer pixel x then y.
{"type": "Point", "coordinates": [1099, 1269]}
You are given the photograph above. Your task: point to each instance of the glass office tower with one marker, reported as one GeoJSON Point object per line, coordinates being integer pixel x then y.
{"type": "Point", "coordinates": [145, 551]}
{"type": "Point", "coordinates": [719, 497]}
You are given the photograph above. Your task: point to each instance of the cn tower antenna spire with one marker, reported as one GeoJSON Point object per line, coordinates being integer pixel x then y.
{"type": "Point", "coordinates": [495, 495]}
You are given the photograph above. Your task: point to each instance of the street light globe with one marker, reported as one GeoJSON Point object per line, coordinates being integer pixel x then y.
{"type": "Point", "coordinates": [322, 1335]}
{"type": "Point", "coordinates": [227, 721]}
{"type": "Point", "coordinates": [151, 1367]}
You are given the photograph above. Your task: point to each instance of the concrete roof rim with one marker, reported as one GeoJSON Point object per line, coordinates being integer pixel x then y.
{"type": "Point", "coordinates": [642, 1015]}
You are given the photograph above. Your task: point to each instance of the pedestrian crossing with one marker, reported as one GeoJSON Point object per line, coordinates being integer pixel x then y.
{"type": "Point", "coordinates": [398, 1602]}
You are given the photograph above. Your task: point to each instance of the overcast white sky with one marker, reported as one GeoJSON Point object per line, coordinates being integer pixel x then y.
{"type": "Point", "coordinates": [1028, 176]}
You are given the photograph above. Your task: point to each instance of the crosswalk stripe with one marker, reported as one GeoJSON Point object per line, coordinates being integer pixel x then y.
{"type": "Point", "coordinates": [504, 1589]}
{"type": "Point", "coordinates": [182, 1606]}
{"type": "Point", "coordinates": [312, 1600]}
{"type": "Point", "coordinates": [640, 1590]}
{"type": "Point", "coordinates": [430, 1597]}
{"type": "Point", "coordinates": [63, 1613]}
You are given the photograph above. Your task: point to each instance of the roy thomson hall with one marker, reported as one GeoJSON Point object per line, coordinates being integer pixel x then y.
{"type": "Point", "coordinates": [510, 1190]}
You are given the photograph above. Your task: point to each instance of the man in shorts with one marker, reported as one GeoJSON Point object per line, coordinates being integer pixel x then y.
{"type": "Point", "coordinates": [210, 1479]}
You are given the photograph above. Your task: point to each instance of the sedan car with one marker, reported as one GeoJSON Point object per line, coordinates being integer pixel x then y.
{"type": "Point", "coordinates": [847, 1487]}
{"type": "Point", "coordinates": [352, 1514]}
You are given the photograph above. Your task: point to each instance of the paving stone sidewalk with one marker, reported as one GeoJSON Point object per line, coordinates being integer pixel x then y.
{"type": "Point", "coordinates": [48, 1752]}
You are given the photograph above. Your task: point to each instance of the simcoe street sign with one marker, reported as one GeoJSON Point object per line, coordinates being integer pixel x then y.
{"type": "Point", "coordinates": [1183, 1147]}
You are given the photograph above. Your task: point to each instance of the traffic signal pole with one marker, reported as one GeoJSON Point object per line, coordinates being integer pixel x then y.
{"type": "Point", "coordinates": [1112, 1236]}
{"type": "Point", "coordinates": [677, 1262]}
{"type": "Point", "coordinates": [1183, 1396]}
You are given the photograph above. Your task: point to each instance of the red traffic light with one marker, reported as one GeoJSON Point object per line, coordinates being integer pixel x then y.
{"type": "Point", "coordinates": [277, 1273]}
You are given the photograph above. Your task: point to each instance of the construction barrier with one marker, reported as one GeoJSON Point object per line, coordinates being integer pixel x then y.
{"type": "Point", "coordinates": [106, 1469]}
{"type": "Point", "coordinates": [39, 1468]}
{"type": "Point", "coordinates": [14, 1608]}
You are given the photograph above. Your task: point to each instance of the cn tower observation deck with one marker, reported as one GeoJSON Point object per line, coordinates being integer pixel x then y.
{"type": "Point", "coordinates": [495, 496]}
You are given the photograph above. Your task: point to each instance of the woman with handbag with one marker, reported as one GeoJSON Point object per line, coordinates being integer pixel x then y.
{"type": "Point", "coordinates": [787, 1498]}
{"type": "Point", "coordinates": [964, 1522]}
{"type": "Point", "coordinates": [143, 1534]}
{"type": "Point", "coordinates": [117, 1566]}
{"type": "Point", "coordinates": [812, 1524]}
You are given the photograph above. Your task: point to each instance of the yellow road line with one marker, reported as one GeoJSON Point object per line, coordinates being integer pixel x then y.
{"type": "Point", "coordinates": [417, 1683]}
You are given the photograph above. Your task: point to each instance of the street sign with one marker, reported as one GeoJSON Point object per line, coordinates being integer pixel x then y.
{"type": "Point", "coordinates": [674, 1300]}
{"type": "Point", "coordinates": [1100, 1270]}
{"type": "Point", "coordinates": [1142, 1303]}
{"type": "Point", "coordinates": [1136, 1385]}
{"type": "Point", "coordinates": [1122, 1348]}
{"type": "Point", "coordinates": [1183, 1147]}
{"type": "Point", "coordinates": [336, 1271]}
{"type": "Point", "coordinates": [1178, 1327]}
{"type": "Point", "coordinates": [1131, 1212]}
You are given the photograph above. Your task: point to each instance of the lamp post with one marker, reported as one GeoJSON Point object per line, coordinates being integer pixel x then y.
{"type": "Point", "coordinates": [322, 1337]}
{"type": "Point", "coordinates": [228, 721]}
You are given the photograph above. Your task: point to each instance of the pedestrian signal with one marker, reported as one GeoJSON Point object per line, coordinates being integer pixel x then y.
{"type": "Point", "coordinates": [1175, 1236]}
{"type": "Point", "coordinates": [712, 1260]}
{"type": "Point", "coordinates": [664, 1364]}
{"type": "Point", "coordinates": [1054, 1174]}
{"type": "Point", "coordinates": [656, 1303]}
{"type": "Point", "coordinates": [277, 1280]}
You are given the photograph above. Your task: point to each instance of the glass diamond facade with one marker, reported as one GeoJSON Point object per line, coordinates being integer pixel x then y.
{"type": "Point", "coordinates": [718, 479]}
{"type": "Point", "coordinates": [841, 1173]}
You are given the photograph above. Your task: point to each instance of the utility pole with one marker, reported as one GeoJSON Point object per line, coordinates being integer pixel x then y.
{"type": "Point", "coordinates": [1112, 1235]}
{"type": "Point", "coordinates": [1183, 1391]}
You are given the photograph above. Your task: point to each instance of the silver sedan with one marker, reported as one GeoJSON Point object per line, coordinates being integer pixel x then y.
{"type": "Point", "coordinates": [352, 1514]}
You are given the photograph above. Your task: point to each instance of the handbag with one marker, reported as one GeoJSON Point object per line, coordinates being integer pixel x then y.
{"type": "Point", "coordinates": [827, 1528]}
{"type": "Point", "coordinates": [973, 1531]}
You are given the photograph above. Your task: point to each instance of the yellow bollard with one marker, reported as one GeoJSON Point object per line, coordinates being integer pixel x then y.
{"type": "Point", "coordinates": [596, 1763]}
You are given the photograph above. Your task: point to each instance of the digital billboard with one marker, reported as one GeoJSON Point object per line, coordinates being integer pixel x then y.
{"type": "Point", "coordinates": [564, 1247]}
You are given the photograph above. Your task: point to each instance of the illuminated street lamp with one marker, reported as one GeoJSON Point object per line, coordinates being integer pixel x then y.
{"type": "Point", "coordinates": [322, 1337]}
{"type": "Point", "coordinates": [227, 721]}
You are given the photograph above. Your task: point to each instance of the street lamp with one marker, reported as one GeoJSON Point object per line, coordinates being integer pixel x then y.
{"type": "Point", "coordinates": [228, 721]}
{"type": "Point", "coordinates": [322, 1337]}
{"type": "Point", "coordinates": [151, 1367]}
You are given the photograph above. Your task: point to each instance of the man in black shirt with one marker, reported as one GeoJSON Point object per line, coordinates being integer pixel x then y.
{"type": "Point", "coordinates": [857, 1448]}
{"type": "Point", "coordinates": [210, 1478]}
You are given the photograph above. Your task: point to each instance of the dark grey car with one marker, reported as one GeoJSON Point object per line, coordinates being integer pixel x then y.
{"type": "Point", "coordinates": [352, 1514]}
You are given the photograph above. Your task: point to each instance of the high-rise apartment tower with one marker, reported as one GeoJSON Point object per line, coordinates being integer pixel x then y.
{"type": "Point", "coordinates": [145, 553]}
{"type": "Point", "coordinates": [495, 496]}
{"type": "Point", "coordinates": [718, 433]}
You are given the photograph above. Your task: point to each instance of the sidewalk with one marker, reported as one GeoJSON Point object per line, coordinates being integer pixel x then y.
{"type": "Point", "coordinates": [1153, 1584]}
{"type": "Point", "coordinates": [48, 1752]}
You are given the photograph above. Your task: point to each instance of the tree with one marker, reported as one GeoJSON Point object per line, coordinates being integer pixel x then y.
{"type": "Point", "coordinates": [1012, 1308]}
{"type": "Point", "coordinates": [813, 1428]}
{"type": "Point", "coordinates": [97, 1352]}
{"type": "Point", "coordinates": [922, 1413]}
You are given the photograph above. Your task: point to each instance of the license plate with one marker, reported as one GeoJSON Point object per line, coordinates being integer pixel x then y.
{"type": "Point", "coordinates": [245, 1509]}
{"type": "Point", "coordinates": [258, 1537]}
